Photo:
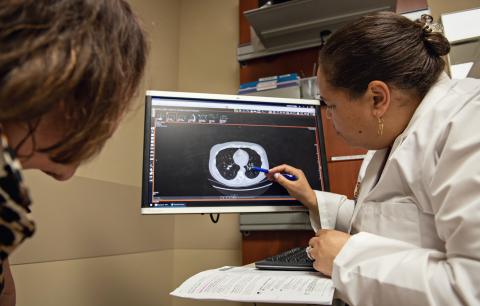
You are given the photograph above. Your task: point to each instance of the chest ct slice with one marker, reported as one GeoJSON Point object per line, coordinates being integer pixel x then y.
{"type": "Point", "coordinates": [229, 163]}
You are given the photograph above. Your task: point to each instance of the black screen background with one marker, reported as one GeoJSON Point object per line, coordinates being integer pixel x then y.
{"type": "Point", "coordinates": [182, 155]}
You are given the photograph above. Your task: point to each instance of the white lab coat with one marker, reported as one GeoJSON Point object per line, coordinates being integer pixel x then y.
{"type": "Point", "coordinates": [416, 228]}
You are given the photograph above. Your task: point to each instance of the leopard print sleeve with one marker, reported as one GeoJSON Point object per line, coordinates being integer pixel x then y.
{"type": "Point", "coordinates": [15, 222]}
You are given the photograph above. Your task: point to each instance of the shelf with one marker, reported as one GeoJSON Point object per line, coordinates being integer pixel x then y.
{"type": "Point", "coordinates": [297, 24]}
{"type": "Point", "coordinates": [462, 31]}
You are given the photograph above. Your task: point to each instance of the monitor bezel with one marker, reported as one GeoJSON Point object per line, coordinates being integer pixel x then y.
{"type": "Point", "coordinates": [222, 98]}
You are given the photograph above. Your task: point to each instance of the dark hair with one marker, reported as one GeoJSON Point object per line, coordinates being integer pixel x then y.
{"type": "Point", "coordinates": [384, 46]}
{"type": "Point", "coordinates": [84, 58]}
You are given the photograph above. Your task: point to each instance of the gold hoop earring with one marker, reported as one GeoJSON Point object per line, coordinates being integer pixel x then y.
{"type": "Point", "coordinates": [380, 127]}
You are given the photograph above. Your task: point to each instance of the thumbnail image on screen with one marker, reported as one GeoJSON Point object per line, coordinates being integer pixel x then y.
{"type": "Point", "coordinates": [202, 152]}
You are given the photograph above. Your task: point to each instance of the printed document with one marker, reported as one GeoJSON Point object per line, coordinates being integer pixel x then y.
{"type": "Point", "coordinates": [247, 284]}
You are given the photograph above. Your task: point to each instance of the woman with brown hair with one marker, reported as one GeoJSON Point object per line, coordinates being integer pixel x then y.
{"type": "Point", "coordinates": [411, 235]}
{"type": "Point", "coordinates": [68, 71]}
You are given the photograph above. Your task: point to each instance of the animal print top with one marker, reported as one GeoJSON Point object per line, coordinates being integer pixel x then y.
{"type": "Point", "coordinates": [15, 221]}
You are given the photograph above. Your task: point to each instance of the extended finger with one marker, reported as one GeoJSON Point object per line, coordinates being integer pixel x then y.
{"type": "Point", "coordinates": [286, 169]}
{"type": "Point", "coordinates": [279, 168]}
{"type": "Point", "coordinates": [273, 171]}
{"type": "Point", "coordinates": [292, 170]}
{"type": "Point", "coordinates": [277, 177]}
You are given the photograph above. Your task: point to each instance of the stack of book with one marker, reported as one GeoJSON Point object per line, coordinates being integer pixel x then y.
{"type": "Point", "coordinates": [284, 86]}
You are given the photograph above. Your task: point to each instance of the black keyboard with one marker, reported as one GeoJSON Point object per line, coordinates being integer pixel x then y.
{"type": "Point", "coordinates": [295, 259]}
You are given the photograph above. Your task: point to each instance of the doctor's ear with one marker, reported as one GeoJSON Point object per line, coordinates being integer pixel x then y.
{"type": "Point", "coordinates": [380, 94]}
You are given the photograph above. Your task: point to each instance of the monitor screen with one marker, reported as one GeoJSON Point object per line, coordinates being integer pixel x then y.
{"type": "Point", "coordinates": [199, 150]}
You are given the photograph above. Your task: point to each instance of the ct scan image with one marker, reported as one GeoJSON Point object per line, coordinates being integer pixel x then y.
{"type": "Point", "coordinates": [230, 165]}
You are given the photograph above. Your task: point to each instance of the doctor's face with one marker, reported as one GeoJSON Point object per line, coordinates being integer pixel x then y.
{"type": "Point", "coordinates": [351, 117]}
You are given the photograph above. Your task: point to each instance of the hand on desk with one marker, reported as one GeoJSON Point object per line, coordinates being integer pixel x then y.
{"type": "Point", "coordinates": [299, 189]}
{"type": "Point", "coordinates": [325, 247]}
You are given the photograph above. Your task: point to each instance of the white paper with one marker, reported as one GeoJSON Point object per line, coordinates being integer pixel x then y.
{"type": "Point", "coordinates": [247, 284]}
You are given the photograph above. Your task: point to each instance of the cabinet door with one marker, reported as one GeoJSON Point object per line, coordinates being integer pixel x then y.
{"type": "Point", "coordinates": [258, 245]}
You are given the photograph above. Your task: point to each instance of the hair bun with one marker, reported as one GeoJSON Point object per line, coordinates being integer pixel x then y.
{"type": "Point", "coordinates": [436, 42]}
{"type": "Point", "coordinates": [433, 36]}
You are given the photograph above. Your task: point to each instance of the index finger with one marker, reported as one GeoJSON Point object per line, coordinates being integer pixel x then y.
{"type": "Point", "coordinates": [279, 169]}
{"type": "Point", "coordinates": [285, 169]}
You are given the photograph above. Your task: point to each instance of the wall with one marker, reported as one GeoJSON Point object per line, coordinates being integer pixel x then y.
{"type": "Point", "coordinates": [207, 63]}
{"type": "Point", "coordinates": [438, 7]}
{"type": "Point", "coordinates": [92, 246]}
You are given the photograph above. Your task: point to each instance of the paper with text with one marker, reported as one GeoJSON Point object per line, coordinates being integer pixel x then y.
{"type": "Point", "coordinates": [247, 284]}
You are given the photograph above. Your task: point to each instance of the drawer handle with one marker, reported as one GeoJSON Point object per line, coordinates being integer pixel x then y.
{"type": "Point", "coordinates": [347, 157]}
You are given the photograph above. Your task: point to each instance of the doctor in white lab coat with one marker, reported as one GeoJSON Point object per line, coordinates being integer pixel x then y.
{"type": "Point", "coordinates": [412, 237]}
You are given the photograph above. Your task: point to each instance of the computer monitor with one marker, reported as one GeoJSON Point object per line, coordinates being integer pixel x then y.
{"type": "Point", "coordinates": [199, 149]}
